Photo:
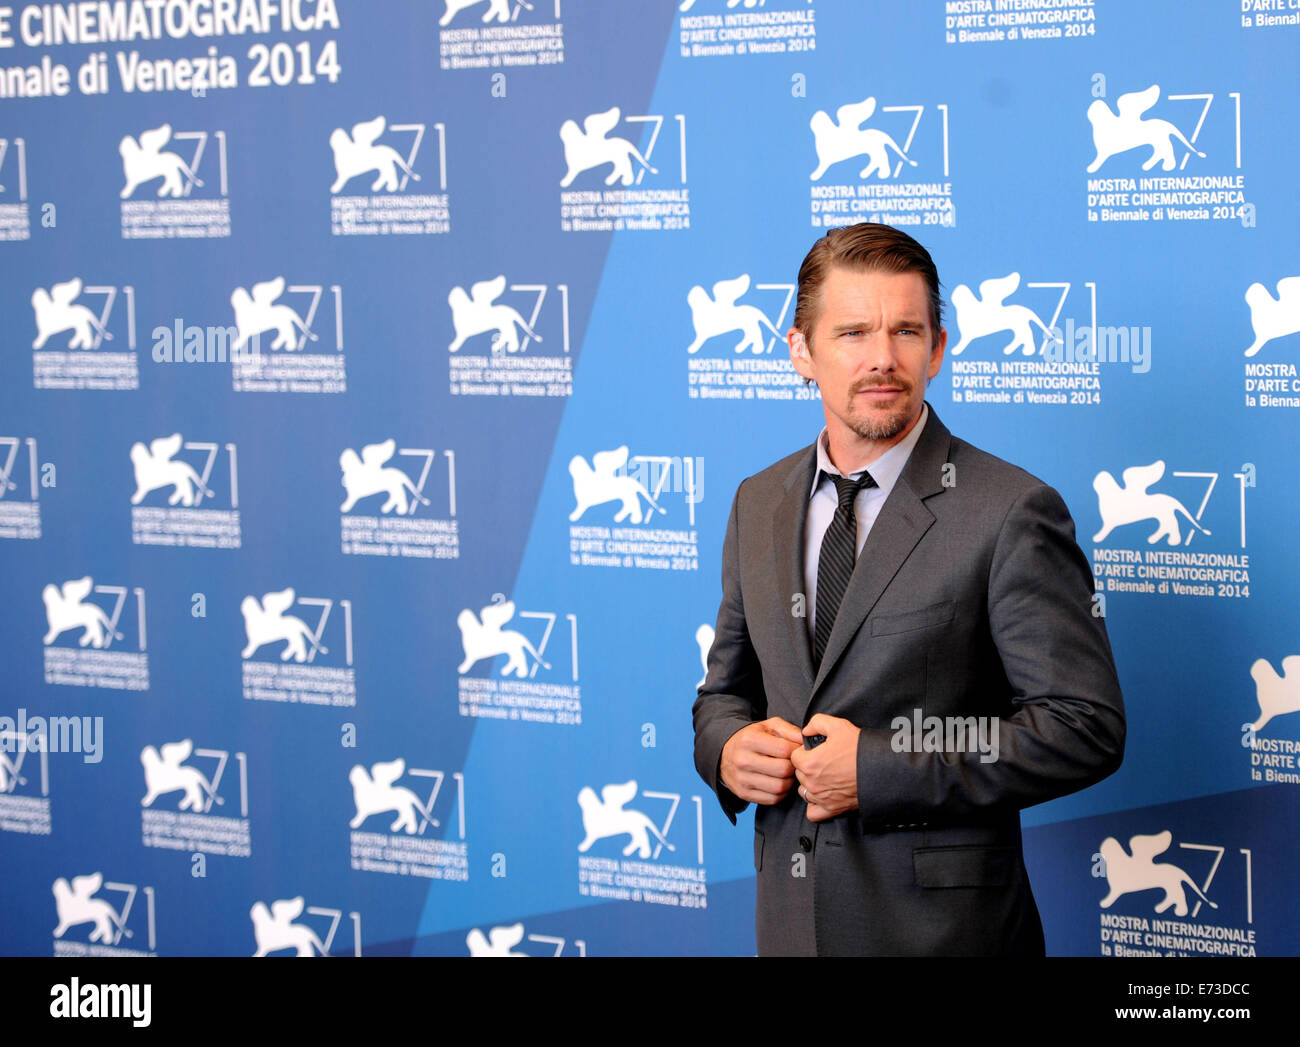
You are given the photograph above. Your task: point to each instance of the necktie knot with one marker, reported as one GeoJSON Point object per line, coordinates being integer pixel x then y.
{"type": "Point", "coordinates": [847, 488]}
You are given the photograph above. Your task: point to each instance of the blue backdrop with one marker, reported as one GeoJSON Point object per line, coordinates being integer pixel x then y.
{"type": "Point", "coordinates": [379, 375]}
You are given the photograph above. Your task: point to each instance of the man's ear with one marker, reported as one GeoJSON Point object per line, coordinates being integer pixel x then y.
{"type": "Point", "coordinates": [799, 353]}
{"type": "Point", "coordinates": [936, 353]}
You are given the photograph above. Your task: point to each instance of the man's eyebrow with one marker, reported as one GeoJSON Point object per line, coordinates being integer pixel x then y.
{"type": "Point", "coordinates": [870, 325]}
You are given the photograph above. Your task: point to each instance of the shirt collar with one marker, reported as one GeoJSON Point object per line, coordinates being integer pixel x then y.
{"type": "Point", "coordinates": [885, 470]}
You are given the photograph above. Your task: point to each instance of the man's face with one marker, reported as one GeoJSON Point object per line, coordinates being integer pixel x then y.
{"type": "Point", "coordinates": [871, 351]}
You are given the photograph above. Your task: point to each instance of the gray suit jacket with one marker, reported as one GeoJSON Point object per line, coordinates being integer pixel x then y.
{"type": "Point", "coordinates": [970, 598]}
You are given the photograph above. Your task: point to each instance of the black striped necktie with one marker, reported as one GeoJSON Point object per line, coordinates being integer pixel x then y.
{"type": "Point", "coordinates": [835, 564]}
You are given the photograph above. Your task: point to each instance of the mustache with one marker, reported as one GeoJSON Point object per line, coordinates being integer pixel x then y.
{"type": "Point", "coordinates": [880, 382]}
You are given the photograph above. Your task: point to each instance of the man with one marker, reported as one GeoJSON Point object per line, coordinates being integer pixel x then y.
{"type": "Point", "coordinates": [948, 585]}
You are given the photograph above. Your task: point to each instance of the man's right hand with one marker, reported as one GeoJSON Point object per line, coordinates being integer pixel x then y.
{"type": "Point", "coordinates": [756, 763]}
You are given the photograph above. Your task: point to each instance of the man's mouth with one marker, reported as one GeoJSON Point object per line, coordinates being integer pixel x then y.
{"type": "Point", "coordinates": [880, 392]}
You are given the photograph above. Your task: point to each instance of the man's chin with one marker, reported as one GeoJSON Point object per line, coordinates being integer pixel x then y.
{"type": "Point", "coordinates": [882, 428]}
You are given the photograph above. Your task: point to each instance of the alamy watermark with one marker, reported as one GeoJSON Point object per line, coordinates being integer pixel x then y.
{"type": "Point", "coordinates": [53, 734]}
{"type": "Point", "coordinates": [667, 474]}
{"type": "Point", "coordinates": [1095, 343]}
{"type": "Point", "coordinates": [210, 344]}
{"type": "Point", "coordinates": [946, 734]}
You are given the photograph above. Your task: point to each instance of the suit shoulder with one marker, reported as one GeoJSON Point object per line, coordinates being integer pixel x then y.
{"type": "Point", "coordinates": [994, 474]}
{"type": "Point", "coordinates": [777, 476]}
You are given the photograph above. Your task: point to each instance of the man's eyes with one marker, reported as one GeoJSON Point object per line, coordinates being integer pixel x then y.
{"type": "Point", "coordinates": [858, 332]}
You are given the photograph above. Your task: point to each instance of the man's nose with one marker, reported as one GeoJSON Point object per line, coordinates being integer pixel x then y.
{"type": "Point", "coordinates": [882, 352]}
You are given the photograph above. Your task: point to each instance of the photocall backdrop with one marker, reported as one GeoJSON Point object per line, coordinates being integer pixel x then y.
{"type": "Point", "coordinates": [378, 378]}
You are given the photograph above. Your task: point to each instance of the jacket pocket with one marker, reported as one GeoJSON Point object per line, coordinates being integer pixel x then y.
{"type": "Point", "coordinates": [935, 614]}
{"type": "Point", "coordinates": [758, 851]}
{"type": "Point", "coordinates": [965, 866]}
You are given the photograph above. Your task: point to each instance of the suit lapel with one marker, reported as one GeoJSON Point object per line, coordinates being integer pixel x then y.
{"type": "Point", "coordinates": [903, 520]}
{"type": "Point", "coordinates": [789, 525]}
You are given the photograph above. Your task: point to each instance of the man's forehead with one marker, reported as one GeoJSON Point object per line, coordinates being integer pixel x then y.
{"type": "Point", "coordinates": [869, 287]}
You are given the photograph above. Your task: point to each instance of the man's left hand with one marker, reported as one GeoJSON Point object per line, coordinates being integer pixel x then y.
{"type": "Point", "coordinates": [828, 774]}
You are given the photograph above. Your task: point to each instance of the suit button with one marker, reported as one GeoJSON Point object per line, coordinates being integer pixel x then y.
{"type": "Point", "coordinates": [805, 843]}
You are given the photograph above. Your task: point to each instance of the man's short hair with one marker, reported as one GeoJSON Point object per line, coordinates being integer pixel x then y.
{"type": "Point", "coordinates": [865, 247]}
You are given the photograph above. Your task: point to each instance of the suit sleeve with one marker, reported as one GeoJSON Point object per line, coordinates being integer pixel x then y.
{"type": "Point", "coordinates": [731, 696]}
{"type": "Point", "coordinates": [1066, 730]}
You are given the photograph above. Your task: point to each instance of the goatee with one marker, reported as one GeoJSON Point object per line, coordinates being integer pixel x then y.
{"type": "Point", "coordinates": [889, 426]}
